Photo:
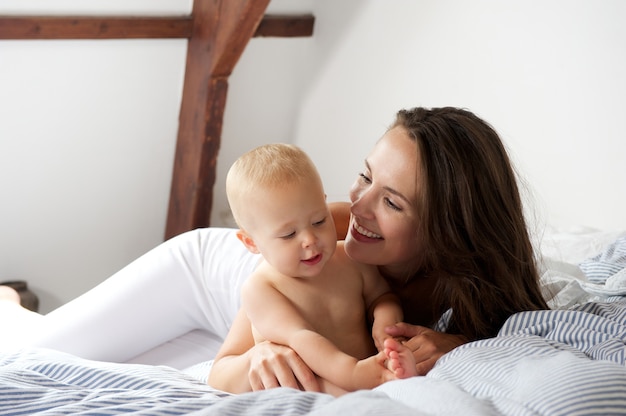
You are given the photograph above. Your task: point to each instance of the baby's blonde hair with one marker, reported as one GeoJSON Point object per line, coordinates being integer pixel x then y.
{"type": "Point", "coordinates": [266, 167]}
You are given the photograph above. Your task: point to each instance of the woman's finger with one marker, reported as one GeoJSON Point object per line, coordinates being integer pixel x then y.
{"type": "Point", "coordinates": [423, 367]}
{"type": "Point", "coordinates": [279, 366]}
{"type": "Point", "coordinates": [301, 373]}
{"type": "Point", "coordinates": [262, 380]}
{"type": "Point", "coordinates": [405, 330]}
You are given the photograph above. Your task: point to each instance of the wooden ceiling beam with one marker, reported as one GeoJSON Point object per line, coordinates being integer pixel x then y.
{"type": "Point", "coordinates": [92, 27]}
{"type": "Point", "coordinates": [218, 32]}
{"type": "Point", "coordinates": [121, 27]}
{"type": "Point", "coordinates": [221, 31]}
{"type": "Point", "coordinates": [286, 26]}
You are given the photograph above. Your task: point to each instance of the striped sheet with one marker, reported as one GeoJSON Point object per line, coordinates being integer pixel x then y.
{"type": "Point", "coordinates": [606, 264]}
{"type": "Point", "coordinates": [45, 382]}
{"type": "Point", "coordinates": [548, 363]}
{"type": "Point", "coordinates": [542, 363]}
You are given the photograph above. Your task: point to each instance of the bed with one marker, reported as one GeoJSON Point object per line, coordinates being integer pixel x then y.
{"type": "Point", "coordinates": [570, 360]}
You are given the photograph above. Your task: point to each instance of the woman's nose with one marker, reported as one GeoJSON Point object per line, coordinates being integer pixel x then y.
{"type": "Point", "coordinates": [355, 193]}
{"type": "Point", "coordinates": [360, 201]}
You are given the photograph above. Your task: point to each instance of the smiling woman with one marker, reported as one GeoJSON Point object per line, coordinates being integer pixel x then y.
{"type": "Point", "coordinates": [469, 261]}
{"type": "Point", "coordinates": [437, 207]}
{"type": "Point", "coordinates": [384, 206]}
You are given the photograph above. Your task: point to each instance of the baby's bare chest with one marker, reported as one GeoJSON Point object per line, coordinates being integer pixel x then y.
{"type": "Point", "coordinates": [330, 298]}
{"type": "Point", "coordinates": [335, 308]}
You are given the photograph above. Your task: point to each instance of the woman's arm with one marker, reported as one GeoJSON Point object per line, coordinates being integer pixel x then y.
{"type": "Point", "coordinates": [230, 367]}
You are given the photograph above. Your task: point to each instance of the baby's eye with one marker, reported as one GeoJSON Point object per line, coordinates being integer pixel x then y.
{"type": "Point", "coordinates": [288, 236]}
{"type": "Point", "coordinates": [318, 223]}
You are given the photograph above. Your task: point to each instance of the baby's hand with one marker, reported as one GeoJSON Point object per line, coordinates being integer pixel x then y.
{"type": "Point", "coordinates": [380, 332]}
{"type": "Point", "coordinates": [379, 335]}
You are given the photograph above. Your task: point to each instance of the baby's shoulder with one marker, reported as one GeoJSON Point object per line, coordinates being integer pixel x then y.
{"type": "Point", "coordinates": [264, 274]}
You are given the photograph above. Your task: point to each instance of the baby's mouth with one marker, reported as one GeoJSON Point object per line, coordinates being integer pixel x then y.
{"type": "Point", "coordinates": [313, 260]}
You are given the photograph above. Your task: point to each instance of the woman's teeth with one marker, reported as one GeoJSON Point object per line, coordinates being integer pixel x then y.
{"type": "Point", "coordinates": [365, 232]}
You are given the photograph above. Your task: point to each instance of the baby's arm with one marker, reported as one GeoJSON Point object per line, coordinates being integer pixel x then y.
{"type": "Point", "coordinates": [383, 306]}
{"type": "Point", "coordinates": [386, 311]}
{"type": "Point", "coordinates": [276, 319]}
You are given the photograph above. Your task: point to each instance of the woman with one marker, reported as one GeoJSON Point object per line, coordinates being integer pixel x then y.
{"type": "Point", "coordinates": [437, 208]}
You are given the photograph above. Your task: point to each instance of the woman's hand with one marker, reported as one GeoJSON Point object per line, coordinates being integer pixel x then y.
{"type": "Point", "coordinates": [427, 345]}
{"type": "Point", "coordinates": [273, 365]}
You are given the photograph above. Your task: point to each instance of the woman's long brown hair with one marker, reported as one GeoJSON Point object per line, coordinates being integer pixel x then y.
{"type": "Point", "coordinates": [475, 239]}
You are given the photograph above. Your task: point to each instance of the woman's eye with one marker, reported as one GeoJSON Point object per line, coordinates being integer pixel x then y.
{"type": "Point", "coordinates": [391, 205]}
{"type": "Point", "coordinates": [365, 178]}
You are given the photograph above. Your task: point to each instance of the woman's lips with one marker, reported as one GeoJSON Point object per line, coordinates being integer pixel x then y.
{"type": "Point", "coordinates": [360, 233]}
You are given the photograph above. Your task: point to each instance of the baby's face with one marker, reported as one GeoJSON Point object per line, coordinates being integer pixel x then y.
{"type": "Point", "coordinates": [293, 229]}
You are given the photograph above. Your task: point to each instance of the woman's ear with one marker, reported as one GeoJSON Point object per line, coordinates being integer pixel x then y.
{"type": "Point", "coordinates": [247, 241]}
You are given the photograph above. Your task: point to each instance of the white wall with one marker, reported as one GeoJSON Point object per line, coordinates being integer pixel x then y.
{"type": "Point", "coordinates": [548, 74]}
{"type": "Point", "coordinates": [87, 139]}
{"type": "Point", "coordinates": [88, 128]}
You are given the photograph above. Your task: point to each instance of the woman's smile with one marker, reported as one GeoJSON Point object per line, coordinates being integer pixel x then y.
{"type": "Point", "coordinates": [359, 232]}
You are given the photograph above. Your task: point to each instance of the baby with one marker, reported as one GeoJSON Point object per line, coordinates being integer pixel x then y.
{"type": "Point", "coordinates": [307, 293]}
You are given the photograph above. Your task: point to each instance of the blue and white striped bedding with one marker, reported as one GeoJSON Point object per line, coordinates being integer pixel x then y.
{"type": "Point", "coordinates": [559, 362]}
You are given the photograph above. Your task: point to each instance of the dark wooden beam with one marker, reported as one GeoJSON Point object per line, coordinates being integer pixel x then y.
{"type": "Point", "coordinates": [218, 31]}
{"type": "Point", "coordinates": [286, 26]}
{"type": "Point", "coordinates": [221, 31]}
{"type": "Point", "coordinates": [112, 27]}
{"type": "Point", "coordinates": [91, 27]}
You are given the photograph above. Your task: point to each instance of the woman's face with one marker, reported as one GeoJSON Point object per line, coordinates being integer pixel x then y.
{"type": "Point", "coordinates": [384, 212]}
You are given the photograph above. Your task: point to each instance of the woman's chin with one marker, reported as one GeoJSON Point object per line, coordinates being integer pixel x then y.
{"type": "Point", "coordinates": [359, 248]}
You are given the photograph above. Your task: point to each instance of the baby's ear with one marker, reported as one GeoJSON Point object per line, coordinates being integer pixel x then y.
{"type": "Point", "coordinates": [247, 241]}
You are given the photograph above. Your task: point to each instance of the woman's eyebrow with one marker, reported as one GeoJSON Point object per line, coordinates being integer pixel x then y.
{"type": "Point", "coordinates": [390, 189]}
{"type": "Point", "coordinates": [398, 194]}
